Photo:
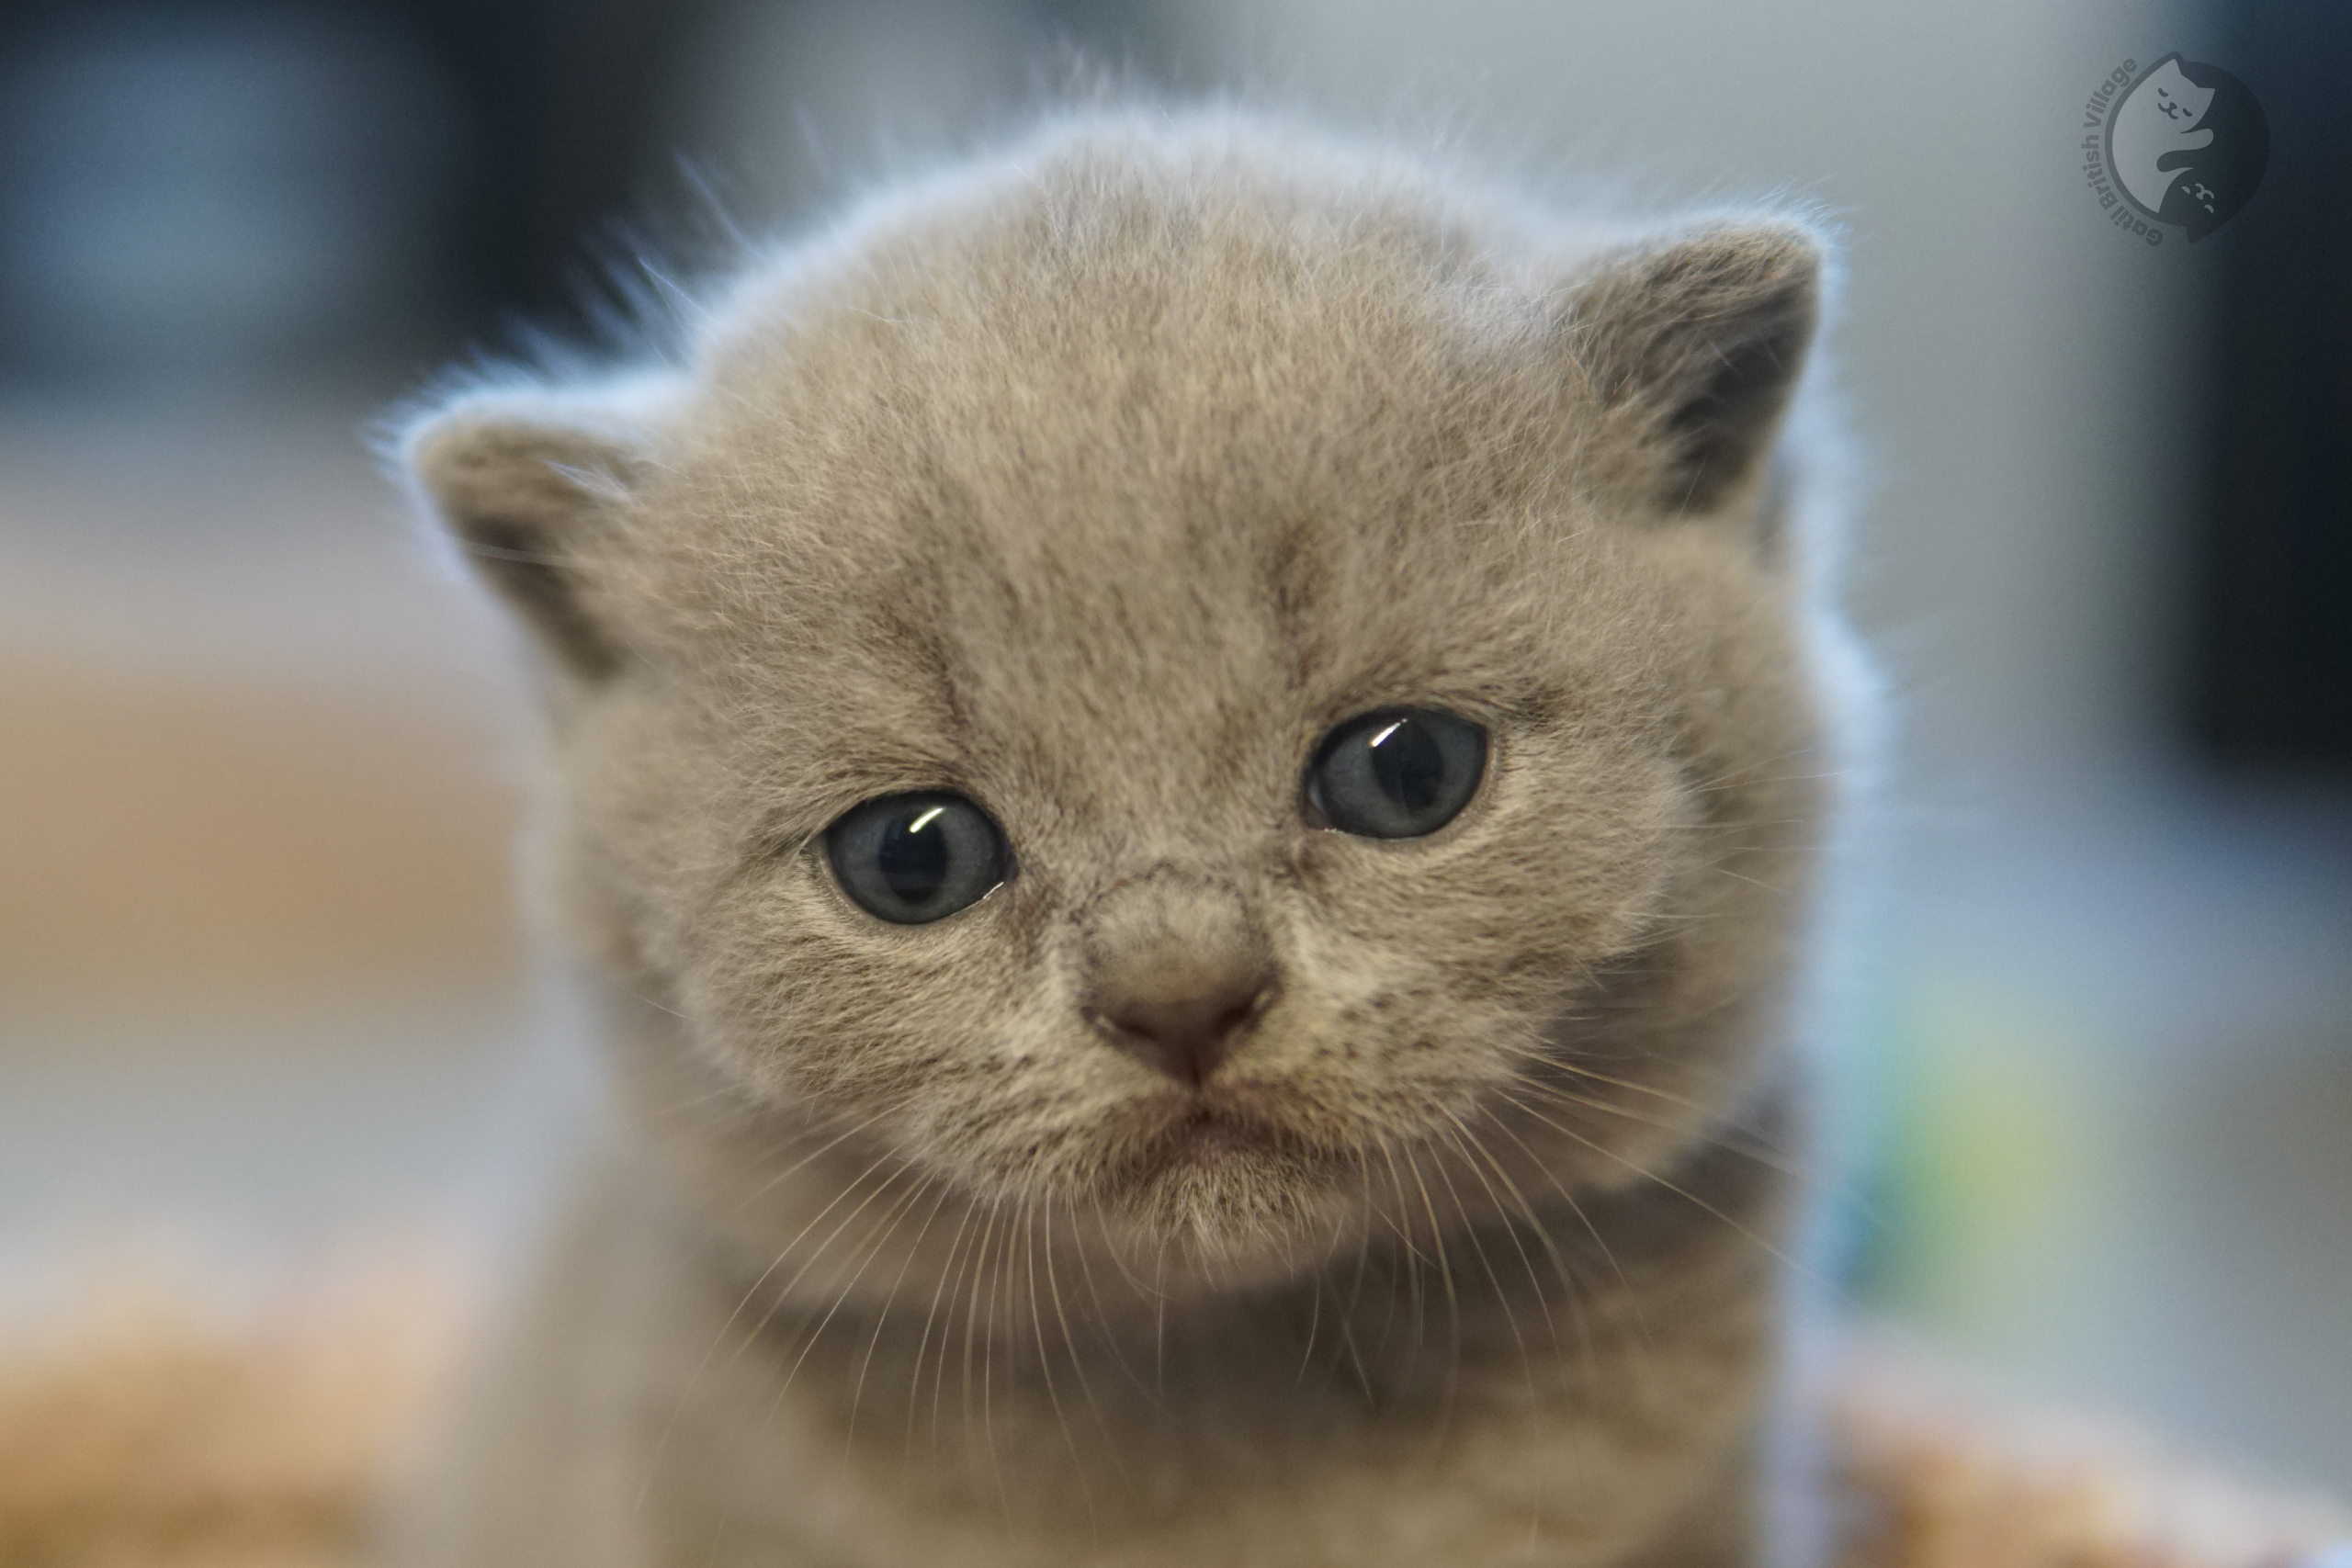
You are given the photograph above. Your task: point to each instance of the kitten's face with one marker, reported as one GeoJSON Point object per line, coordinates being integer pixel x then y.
{"type": "Point", "coordinates": [1115, 581]}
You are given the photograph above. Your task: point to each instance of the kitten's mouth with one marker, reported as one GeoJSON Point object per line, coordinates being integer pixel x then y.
{"type": "Point", "coordinates": [1209, 1135]}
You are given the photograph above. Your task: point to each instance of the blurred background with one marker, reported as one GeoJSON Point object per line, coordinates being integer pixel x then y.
{"type": "Point", "coordinates": [260, 980]}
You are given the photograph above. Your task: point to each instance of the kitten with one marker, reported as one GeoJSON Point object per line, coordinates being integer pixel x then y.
{"type": "Point", "coordinates": [1186, 765]}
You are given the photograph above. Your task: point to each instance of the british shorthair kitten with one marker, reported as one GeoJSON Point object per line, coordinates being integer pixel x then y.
{"type": "Point", "coordinates": [1186, 765]}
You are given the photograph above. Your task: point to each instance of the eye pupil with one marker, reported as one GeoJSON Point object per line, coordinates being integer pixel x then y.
{"type": "Point", "coordinates": [912, 856]}
{"type": "Point", "coordinates": [1408, 765]}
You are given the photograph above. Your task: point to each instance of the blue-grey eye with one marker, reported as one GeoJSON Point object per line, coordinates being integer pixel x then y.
{"type": "Point", "coordinates": [1396, 773]}
{"type": "Point", "coordinates": [910, 859]}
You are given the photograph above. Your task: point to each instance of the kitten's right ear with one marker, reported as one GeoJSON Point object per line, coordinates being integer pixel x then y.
{"type": "Point", "coordinates": [1693, 342]}
{"type": "Point", "coordinates": [529, 486]}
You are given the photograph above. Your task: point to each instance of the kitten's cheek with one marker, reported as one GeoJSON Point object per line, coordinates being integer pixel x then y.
{"type": "Point", "coordinates": [1320, 856]}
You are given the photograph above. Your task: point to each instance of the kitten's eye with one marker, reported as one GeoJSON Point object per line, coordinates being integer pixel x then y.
{"type": "Point", "coordinates": [1398, 774]}
{"type": "Point", "coordinates": [910, 859]}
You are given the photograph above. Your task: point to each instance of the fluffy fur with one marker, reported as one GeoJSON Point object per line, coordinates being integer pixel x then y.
{"type": "Point", "coordinates": [1096, 483]}
{"type": "Point", "coordinates": [146, 1438]}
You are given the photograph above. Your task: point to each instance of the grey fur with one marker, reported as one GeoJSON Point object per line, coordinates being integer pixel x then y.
{"type": "Point", "coordinates": [1097, 481]}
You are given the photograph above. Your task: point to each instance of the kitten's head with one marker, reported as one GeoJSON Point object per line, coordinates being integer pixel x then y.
{"type": "Point", "coordinates": [1208, 690]}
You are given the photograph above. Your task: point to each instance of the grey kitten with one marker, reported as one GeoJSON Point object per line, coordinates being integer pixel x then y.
{"type": "Point", "coordinates": [1186, 765]}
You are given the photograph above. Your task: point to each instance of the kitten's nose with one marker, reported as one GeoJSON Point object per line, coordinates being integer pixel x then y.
{"type": "Point", "coordinates": [1188, 1031]}
{"type": "Point", "coordinates": [1177, 971]}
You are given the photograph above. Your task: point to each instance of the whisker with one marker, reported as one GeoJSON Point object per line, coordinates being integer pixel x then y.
{"type": "Point", "coordinates": [1046, 1370]}
{"type": "Point", "coordinates": [694, 1381]}
{"type": "Point", "coordinates": [948, 1265]}
{"type": "Point", "coordinates": [1102, 1313]}
{"type": "Point", "coordinates": [890, 1295]}
{"type": "Point", "coordinates": [1615, 1159]}
{"type": "Point", "coordinates": [1583, 1323]}
{"type": "Point", "coordinates": [1452, 1300]}
{"type": "Point", "coordinates": [1770, 1158]}
{"type": "Point", "coordinates": [808, 1341]}
{"type": "Point", "coordinates": [1474, 1150]}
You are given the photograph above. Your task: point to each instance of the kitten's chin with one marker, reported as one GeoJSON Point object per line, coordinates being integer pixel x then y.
{"type": "Point", "coordinates": [1230, 1200]}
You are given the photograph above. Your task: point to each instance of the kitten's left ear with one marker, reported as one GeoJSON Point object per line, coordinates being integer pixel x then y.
{"type": "Point", "coordinates": [1693, 345]}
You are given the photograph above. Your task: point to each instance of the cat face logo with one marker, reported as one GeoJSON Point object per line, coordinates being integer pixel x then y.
{"type": "Point", "coordinates": [2187, 144]}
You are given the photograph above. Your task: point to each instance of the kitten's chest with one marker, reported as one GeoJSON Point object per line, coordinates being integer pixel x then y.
{"type": "Point", "coordinates": [1463, 1436]}
{"type": "Point", "coordinates": [1554, 1493]}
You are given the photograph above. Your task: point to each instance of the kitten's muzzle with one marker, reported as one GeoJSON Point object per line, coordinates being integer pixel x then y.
{"type": "Point", "coordinates": [1177, 970]}
{"type": "Point", "coordinates": [1187, 1033]}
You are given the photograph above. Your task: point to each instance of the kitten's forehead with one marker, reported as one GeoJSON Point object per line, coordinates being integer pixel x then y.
{"type": "Point", "coordinates": [1165, 456]}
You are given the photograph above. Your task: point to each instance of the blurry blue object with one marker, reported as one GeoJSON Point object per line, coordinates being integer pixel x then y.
{"type": "Point", "coordinates": [198, 196]}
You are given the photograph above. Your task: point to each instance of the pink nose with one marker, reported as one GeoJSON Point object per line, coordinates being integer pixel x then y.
{"type": "Point", "coordinates": [1189, 1036]}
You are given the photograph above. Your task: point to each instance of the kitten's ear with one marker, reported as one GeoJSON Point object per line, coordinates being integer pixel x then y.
{"type": "Point", "coordinates": [1693, 345]}
{"type": "Point", "coordinates": [530, 487]}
